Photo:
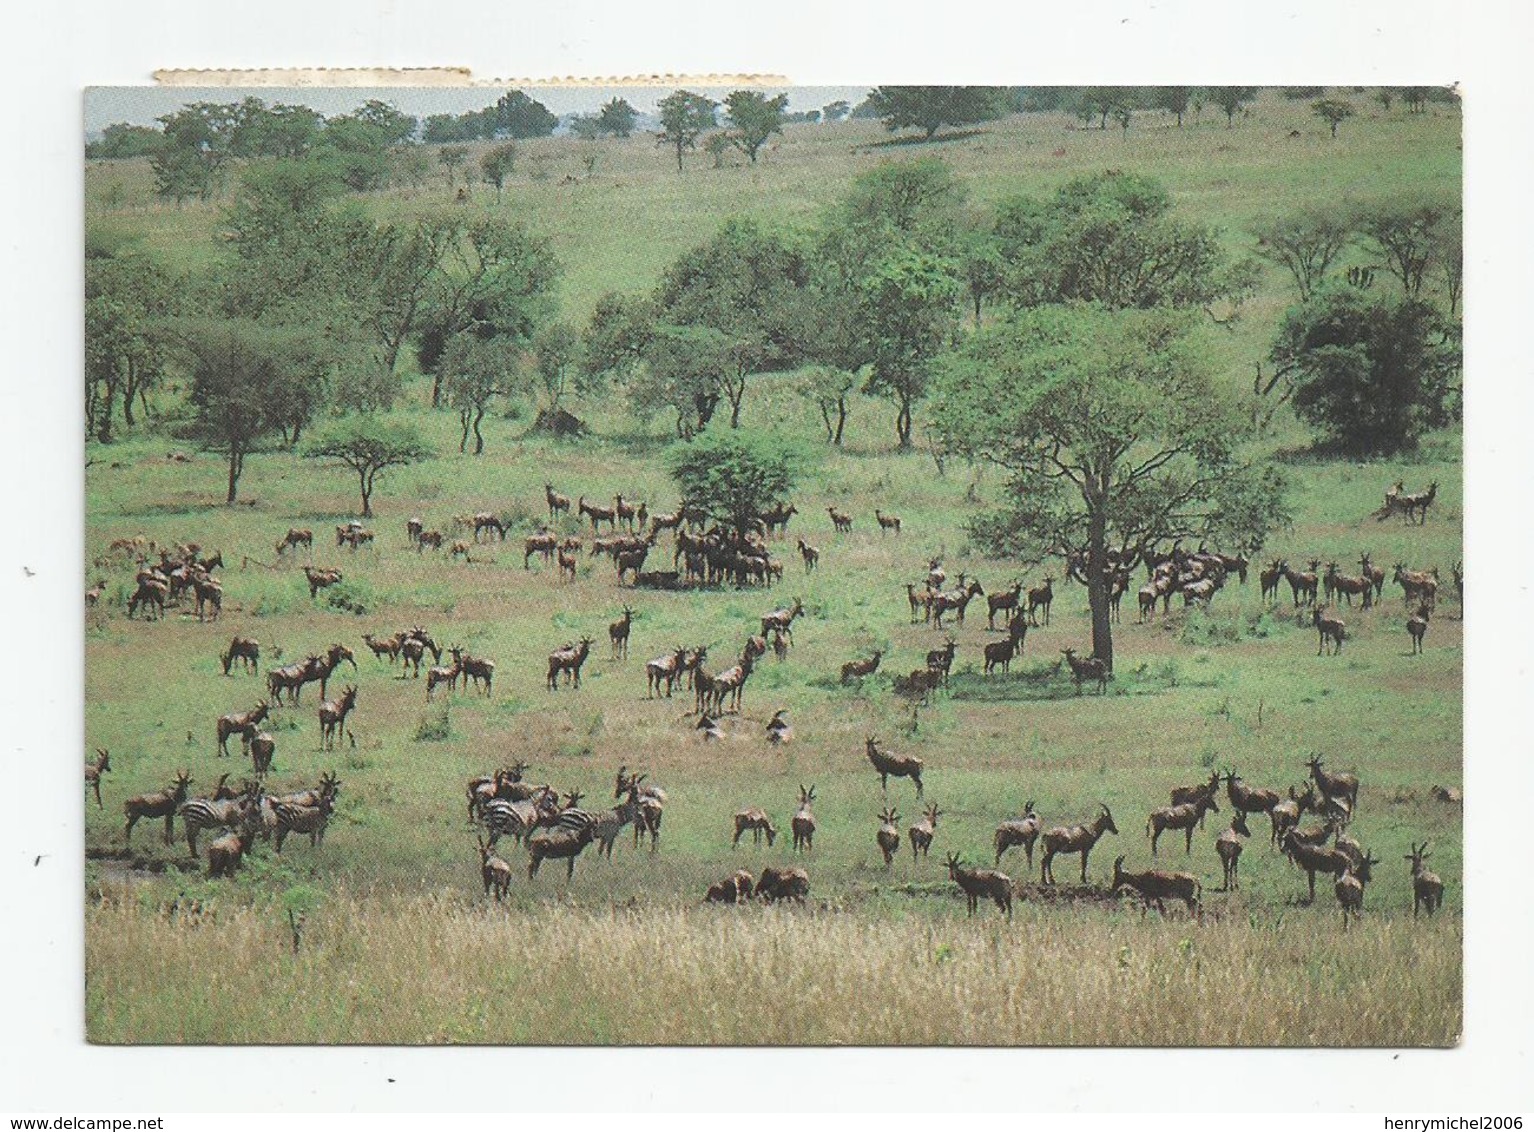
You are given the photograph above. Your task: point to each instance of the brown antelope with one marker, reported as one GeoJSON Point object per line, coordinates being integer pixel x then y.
{"type": "Point", "coordinates": [262, 749]}
{"type": "Point", "coordinates": [1420, 587]}
{"type": "Point", "coordinates": [840, 520]}
{"type": "Point", "coordinates": [414, 528]}
{"type": "Point", "coordinates": [888, 836]}
{"type": "Point", "coordinates": [1350, 888]}
{"type": "Point", "coordinates": [1417, 628]}
{"type": "Point", "coordinates": [1183, 795]}
{"type": "Point", "coordinates": [1315, 859]}
{"type": "Point", "coordinates": [94, 771]}
{"type": "Point", "coordinates": [732, 683]}
{"type": "Point", "coordinates": [558, 504]}
{"type": "Point", "coordinates": [887, 523]}
{"type": "Point", "coordinates": [495, 872]}
{"type": "Point", "coordinates": [919, 685]}
{"type": "Point", "coordinates": [955, 600]}
{"type": "Point", "coordinates": [1022, 831]}
{"type": "Point", "coordinates": [1270, 576]}
{"type": "Point", "coordinates": [1005, 601]}
{"type": "Point", "coordinates": [1427, 889]}
{"type": "Point", "coordinates": [758, 823]}
{"type": "Point", "coordinates": [618, 634]}
{"type": "Point", "coordinates": [385, 649]}
{"type": "Point", "coordinates": [1302, 584]}
{"type": "Point", "coordinates": [1185, 818]}
{"type": "Point", "coordinates": [1339, 585]}
{"type": "Point", "coordinates": [333, 715]}
{"type": "Point", "coordinates": [1334, 785]}
{"type": "Point", "coordinates": [1157, 887]}
{"type": "Point", "coordinates": [923, 831]}
{"type": "Point", "coordinates": [803, 824]}
{"type": "Point", "coordinates": [597, 515]}
{"type": "Point", "coordinates": [151, 594]}
{"type": "Point", "coordinates": [568, 659]}
{"type": "Point", "coordinates": [488, 521]}
{"type": "Point", "coordinates": [782, 884]}
{"type": "Point", "coordinates": [1419, 502]}
{"type": "Point", "coordinates": [810, 555]}
{"type": "Point", "coordinates": [1249, 800]}
{"type": "Point", "coordinates": [242, 723]}
{"type": "Point", "coordinates": [226, 852]}
{"type": "Point", "coordinates": [1375, 574]}
{"type": "Point", "coordinates": [887, 763]}
{"type": "Point", "coordinates": [1286, 815]}
{"type": "Point", "coordinates": [779, 730]}
{"type": "Point", "coordinates": [1329, 628]}
{"type": "Point", "coordinates": [573, 830]}
{"type": "Point", "coordinates": [160, 804]}
{"type": "Point", "coordinates": [977, 883]}
{"type": "Point", "coordinates": [458, 548]}
{"type": "Point", "coordinates": [999, 654]}
{"type": "Point", "coordinates": [247, 650]}
{"type": "Point", "coordinates": [1074, 839]}
{"type": "Point", "coordinates": [1228, 845]}
{"type": "Point", "coordinates": [1092, 668]}
{"type": "Point", "coordinates": [780, 645]}
{"type": "Point", "coordinates": [1041, 597]}
{"type": "Point", "coordinates": [733, 889]}
{"type": "Point", "coordinates": [940, 661]}
{"type": "Point", "coordinates": [663, 669]}
{"type": "Point", "coordinates": [295, 538]}
{"type": "Point", "coordinates": [445, 673]}
{"type": "Point", "coordinates": [545, 542]}
{"type": "Point", "coordinates": [857, 669]}
{"type": "Point", "coordinates": [321, 580]}
{"type": "Point", "coordinates": [782, 619]}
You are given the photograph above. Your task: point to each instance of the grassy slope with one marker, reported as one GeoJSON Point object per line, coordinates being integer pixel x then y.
{"type": "Point", "coordinates": [1188, 695]}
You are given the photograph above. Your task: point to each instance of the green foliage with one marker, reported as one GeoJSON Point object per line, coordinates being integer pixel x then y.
{"type": "Point", "coordinates": [434, 726]}
{"type": "Point", "coordinates": [368, 446]}
{"type": "Point", "coordinates": [734, 476]}
{"type": "Point", "coordinates": [684, 116]}
{"type": "Point", "coordinates": [121, 140]}
{"type": "Point", "coordinates": [617, 117]}
{"type": "Point", "coordinates": [1409, 234]}
{"type": "Point", "coordinates": [518, 116]}
{"type": "Point", "coordinates": [1371, 371]}
{"type": "Point", "coordinates": [909, 301]}
{"type": "Point", "coordinates": [1231, 99]}
{"type": "Point", "coordinates": [756, 118]}
{"type": "Point", "coordinates": [1332, 111]}
{"type": "Point", "coordinates": [128, 297]}
{"type": "Point", "coordinates": [835, 111]}
{"type": "Point", "coordinates": [930, 108]}
{"type": "Point", "coordinates": [1307, 243]}
{"type": "Point", "coordinates": [351, 596]}
{"type": "Point", "coordinates": [496, 165]}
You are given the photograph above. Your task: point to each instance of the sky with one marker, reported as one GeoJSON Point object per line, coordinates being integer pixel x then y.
{"type": "Point", "coordinates": [142, 105]}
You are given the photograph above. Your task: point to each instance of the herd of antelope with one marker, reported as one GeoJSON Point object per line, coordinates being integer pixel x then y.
{"type": "Point", "coordinates": [553, 825]}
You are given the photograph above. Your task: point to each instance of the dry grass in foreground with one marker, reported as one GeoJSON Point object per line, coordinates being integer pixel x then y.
{"type": "Point", "coordinates": [438, 970]}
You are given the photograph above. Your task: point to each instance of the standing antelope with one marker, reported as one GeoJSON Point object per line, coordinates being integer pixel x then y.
{"type": "Point", "coordinates": [94, 771]}
{"type": "Point", "coordinates": [1041, 597]}
{"type": "Point", "coordinates": [333, 715]}
{"type": "Point", "coordinates": [1022, 831]}
{"type": "Point", "coordinates": [226, 852]}
{"type": "Point", "coordinates": [857, 669]}
{"type": "Point", "coordinates": [1302, 585]}
{"type": "Point", "coordinates": [242, 723]}
{"type": "Point", "coordinates": [810, 555]}
{"type": "Point", "coordinates": [1228, 846]}
{"type": "Point", "coordinates": [997, 602]}
{"type": "Point", "coordinates": [1092, 668]}
{"type": "Point", "coordinates": [1074, 839]}
{"type": "Point", "coordinates": [886, 763]}
{"type": "Point", "coordinates": [888, 836]}
{"type": "Point", "coordinates": [887, 523]}
{"type": "Point", "coordinates": [1427, 889]}
{"type": "Point", "coordinates": [1417, 627]}
{"type": "Point", "coordinates": [1350, 888]}
{"type": "Point", "coordinates": [568, 659]}
{"type": "Point", "coordinates": [1329, 628]}
{"type": "Point", "coordinates": [1249, 800]}
{"type": "Point", "coordinates": [1185, 817]}
{"type": "Point", "coordinates": [1158, 887]}
{"type": "Point", "coordinates": [1334, 785]}
{"type": "Point", "coordinates": [495, 872]}
{"type": "Point", "coordinates": [758, 823]}
{"type": "Point", "coordinates": [840, 520]}
{"type": "Point", "coordinates": [558, 504]}
{"type": "Point", "coordinates": [618, 634]}
{"type": "Point", "coordinates": [803, 823]}
{"type": "Point", "coordinates": [976, 883]}
{"type": "Point", "coordinates": [573, 830]}
{"type": "Point", "coordinates": [160, 804]}
{"type": "Point", "coordinates": [922, 832]}
{"type": "Point", "coordinates": [663, 669]}
{"type": "Point", "coordinates": [312, 820]}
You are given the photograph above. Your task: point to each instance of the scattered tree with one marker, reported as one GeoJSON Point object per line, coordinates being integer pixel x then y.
{"type": "Point", "coordinates": [617, 117]}
{"type": "Point", "coordinates": [518, 116]}
{"type": "Point", "coordinates": [930, 108]}
{"type": "Point", "coordinates": [369, 446]}
{"type": "Point", "coordinates": [835, 111]}
{"type": "Point", "coordinates": [1174, 99]}
{"type": "Point", "coordinates": [1332, 111]}
{"type": "Point", "coordinates": [1231, 99]}
{"type": "Point", "coordinates": [734, 476]}
{"type": "Point", "coordinates": [497, 164]}
{"type": "Point", "coordinates": [474, 370]}
{"type": "Point", "coordinates": [909, 301]}
{"type": "Point", "coordinates": [128, 297]}
{"type": "Point", "coordinates": [1407, 234]}
{"type": "Point", "coordinates": [756, 118]}
{"type": "Point", "coordinates": [1307, 243]}
{"type": "Point", "coordinates": [829, 388]}
{"type": "Point", "coordinates": [684, 116]}
{"type": "Point", "coordinates": [452, 157]}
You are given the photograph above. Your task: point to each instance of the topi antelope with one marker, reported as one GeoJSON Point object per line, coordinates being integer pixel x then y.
{"type": "Point", "coordinates": [758, 823]}
{"type": "Point", "coordinates": [887, 523]}
{"type": "Point", "coordinates": [1417, 628]}
{"type": "Point", "coordinates": [1427, 888]}
{"type": "Point", "coordinates": [295, 538]}
{"type": "Point", "coordinates": [242, 723]}
{"type": "Point", "coordinates": [1350, 888]}
{"type": "Point", "coordinates": [247, 650]}
{"type": "Point", "coordinates": [810, 555]}
{"type": "Point", "coordinates": [733, 889]}
{"type": "Point", "coordinates": [1041, 597]}
{"type": "Point", "coordinates": [1315, 859]}
{"type": "Point", "coordinates": [569, 660]}
{"type": "Point", "coordinates": [922, 832]}
{"type": "Point", "coordinates": [1329, 629]}
{"type": "Point", "coordinates": [573, 830]}
{"type": "Point", "coordinates": [333, 715]}
{"type": "Point", "coordinates": [1156, 887]}
{"type": "Point", "coordinates": [803, 824]}
{"type": "Point", "coordinates": [782, 884]}
{"type": "Point", "coordinates": [888, 836]}
{"type": "Point", "coordinates": [779, 730]}
{"type": "Point", "coordinates": [1185, 817]}
{"type": "Point", "coordinates": [321, 580]}
{"type": "Point", "coordinates": [1092, 668]}
{"type": "Point", "coordinates": [1334, 785]}
{"type": "Point", "coordinates": [977, 883]}
{"type": "Point", "coordinates": [941, 660]}
{"type": "Point", "coordinates": [841, 522]}
{"type": "Point", "coordinates": [160, 804]}
{"type": "Point", "coordinates": [1022, 831]}
{"type": "Point", "coordinates": [663, 669]}
{"type": "Point", "coordinates": [225, 853]}
{"type": "Point", "coordinates": [1228, 845]}
{"type": "Point", "coordinates": [494, 871]}
{"type": "Point", "coordinates": [1006, 601]}
{"type": "Point", "coordinates": [1074, 839]}
{"type": "Point", "coordinates": [1249, 800]}
{"type": "Point", "coordinates": [886, 764]}
{"type": "Point", "coordinates": [857, 669]}
{"type": "Point", "coordinates": [1182, 795]}
{"type": "Point", "coordinates": [618, 634]}
{"type": "Point", "coordinates": [94, 771]}
{"type": "Point", "coordinates": [558, 504]}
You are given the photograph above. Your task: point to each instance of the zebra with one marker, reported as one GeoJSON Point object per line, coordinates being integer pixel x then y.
{"type": "Point", "coordinates": [304, 819]}
{"type": "Point", "coordinates": [505, 818]}
{"type": "Point", "coordinates": [205, 813]}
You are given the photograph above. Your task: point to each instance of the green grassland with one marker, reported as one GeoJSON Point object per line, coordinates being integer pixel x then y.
{"type": "Point", "coordinates": [395, 888]}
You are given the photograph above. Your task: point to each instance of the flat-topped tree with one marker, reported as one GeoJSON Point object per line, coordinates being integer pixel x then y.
{"type": "Point", "coordinates": [1113, 433]}
{"type": "Point", "coordinates": [734, 476]}
{"type": "Point", "coordinates": [369, 446]}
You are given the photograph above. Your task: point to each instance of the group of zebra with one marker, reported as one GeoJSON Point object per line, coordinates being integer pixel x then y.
{"type": "Point", "coordinates": [241, 817]}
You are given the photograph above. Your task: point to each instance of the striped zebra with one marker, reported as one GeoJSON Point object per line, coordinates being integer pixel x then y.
{"type": "Point", "coordinates": [199, 814]}
{"type": "Point", "coordinates": [304, 819]}
{"type": "Point", "coordinates": [571, 832]}
{"type": "Point", "coordinates": [509, 819]}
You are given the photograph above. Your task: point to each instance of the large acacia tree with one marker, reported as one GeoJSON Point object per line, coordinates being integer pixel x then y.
{"type": "Point", "coordinates": [1112, 433]}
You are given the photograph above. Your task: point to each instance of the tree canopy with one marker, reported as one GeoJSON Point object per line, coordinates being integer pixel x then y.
{"type": "Point", "coordinates": [617, 117]}
{"type": "Point", "coordinates": [930, 108]}
{"type": "Point", "coordinates": [755, 118]}
{"type": "Point", "coordinates": [684, 116]}
{"type": "Point", "coordinates": [733, 476]}
{"type": "Point", "coordinates": [369, 446]}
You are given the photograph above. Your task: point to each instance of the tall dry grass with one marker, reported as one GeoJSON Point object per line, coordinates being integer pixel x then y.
{"type": "Point", "coordinates": [438, 969]}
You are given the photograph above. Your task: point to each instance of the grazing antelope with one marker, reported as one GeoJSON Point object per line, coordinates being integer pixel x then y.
{"type": "Point", "coordinates": [495, 872]}
{"type": "Point", "coordinates": [841, 522]}
{"type": "Point", "coordinates": [247, 650]}
{"type": "Point", "coordinates": [1074, 839]}
{"type": "Point", "coordinates": [1417, 628]}
{"type": "Point", "coordinates": [1092, 668]}
{"type": "Point", "coordinates": [242, 723]}
{"type": "Point", "coordinates": [758, 823]}
{"type": "Point", "coordinates": [1329, 627]}
{"type": "Point", "coordinates": [1006, 600]}
{"type": "Point", "coordinates": [1158, 887]}
{"type": "Point", "coordinates": [618, 634]}
{"type": "Point", "coordinates": [1350, 888]}
{"type": "Point", "coordinates": [151, 594]}
{"type": "Point", "coordinates": [779, 730]}
{"type": "Point", "coordinates": [887, 523]}
{"type": "Point", "coordinates": [225, 853]}
{"type": "Point", "coordinates": [977, 883]}
{"type": "Point", "coordinates": [459, 547]}
{"type": "Point", "coordinates": [886, 764]}
{"type": "Point", "coordinates": [888, 836]}
{"type": "Point", "coordinates": [1041, 597]}
{"type": "Point", "coordinates": [1022, 831]}
{"type": "Point", "coordinates": [558, 504]}
{"type": "Point", "coordinates": [857, 669]}
{"type": "Point", "coordinates": [782, 884]}
{"type": "Point", "coordinates": [1185, 817]}
{"type": "Point", "coordinates": [295, 538]}
{"type": "Point", "coordinates": [1228, 845]}
{"type": "Point", "coordinates": [810, 555]}
{"type": "Point", "coordinates": [803, 823]}
{"type": "Point", "coordinates": [1448, 795]}
{"type": "Point", "coordinates": [568, 659]}
{"type": "Point", "coordinates": [923, 831]}
{"type": "Point", "coordinates": [488, 521]}
{"type": "Point", "coordinates": [94, 771]}
{"type": "Point", "coordinates": [1427, 889]}
{"type": "Point", "coordinates": [733, 889]}
{"type": "Point", "coordinates": [160, 804]}
{"type": "Point", "coordinates": [333, 715]}
{"type": "Point", "coordinates": [321, 580]}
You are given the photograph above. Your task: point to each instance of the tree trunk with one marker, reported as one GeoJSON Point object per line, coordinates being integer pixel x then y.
{"type": "Point", "coordinates": [903, 421]}
{"type": "Point", "coordinates": [104, 423]}
{"type": "Point", "coordinates": [479, 439]}
{"type": "Point", "coordinates": [130, 388]}
{"type": "Point", "coordinates": [679, 155]}
{"type": "Point", "coordinates": [463, 439]}
{"type": "Point", "coordinates": [436, 388]}
{"type": "Point", "coordinates": [236, 462]}
{"type": "Point", "coordinates": [1097, 588]}
{"type": "Point", "coordinates": [366, 478]}
{"type": "Point", "coordinates": [841, 420]}
{"type": "Point", "coordinates": [978, 299]}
